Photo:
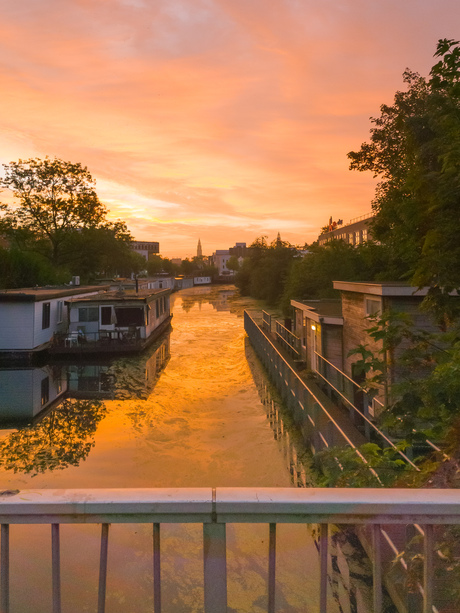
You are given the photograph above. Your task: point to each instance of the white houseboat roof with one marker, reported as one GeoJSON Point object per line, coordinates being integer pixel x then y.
{"type": "Point", "coordinates": [38, 294]}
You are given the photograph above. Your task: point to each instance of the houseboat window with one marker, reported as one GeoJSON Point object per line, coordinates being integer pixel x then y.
{"type": "Point", "coordinates": [372, 306]}
{"type": "Point", "coordinates": [106, 315]}
{"type": "Point", "coordinates": [45, 390]}
{"type": "Point", "coordinates": [46, 311]}
{"type": "Point", "coordinates": [59, 311]}
{"type": "Point", "coordinates": [88, 314]}
{"type": "Point", "coordinates": [129, 316]}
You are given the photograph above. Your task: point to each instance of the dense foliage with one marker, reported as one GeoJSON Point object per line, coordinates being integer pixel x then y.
{"type": "Point", "coordinates": [58, 224]}
{"type": "Point", "coordinates": [264, 273]}
{"type": "Point", "coordinates": [311, 276]}
{"type": "Point", "coordinates": [414, 149]}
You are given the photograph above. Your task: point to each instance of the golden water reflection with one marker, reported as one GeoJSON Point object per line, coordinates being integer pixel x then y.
{"type": "Point", "coordinates": [190, 413]}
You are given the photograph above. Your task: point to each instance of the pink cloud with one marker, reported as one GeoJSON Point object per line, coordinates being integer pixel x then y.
{"type": "Point", "coordinates": [214, 118]}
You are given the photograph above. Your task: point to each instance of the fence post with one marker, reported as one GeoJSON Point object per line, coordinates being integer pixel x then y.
{"type": "Point", "coordinates": [215, 568]}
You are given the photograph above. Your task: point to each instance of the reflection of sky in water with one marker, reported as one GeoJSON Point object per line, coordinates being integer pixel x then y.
{"type": "Point", "coordinates": [202, 424]}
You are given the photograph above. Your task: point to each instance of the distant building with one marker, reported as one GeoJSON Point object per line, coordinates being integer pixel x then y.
{"type": "Point", "coordinates": [240, 250]}
{"type": "Point", "coordinates": [202, 280]}
{"type": "Point", "coordinates": [199, 250]}
{"type": "Point", "coordinates": [221, 256]}
{"type": "Point", "coordinates": [355, 232]}
{"type": "Point", "coordinates": [176, 261]}
{"type": "Point", "coordinates": [145, 248]}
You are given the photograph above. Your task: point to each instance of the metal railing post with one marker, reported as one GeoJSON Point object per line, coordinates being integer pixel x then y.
{"type": "Point", "coordinates": [215, 568]}
{"type": "Point", "coordinates": [5, 569]}
{"type": "Point", "coordinates": [272, 569]}
{"type": "Point", "coordinates": [428, 550]}
{"type": "Point", "coordinates": [103, 568]}
{"type": "Point", "coordinates": [56, 567]}
{"type": "Point", "coordinates": [377, 568]}
{"type": "Point", "coordinates": [156, 569]}
{"type": "Point", "coordinates": [323, 541]}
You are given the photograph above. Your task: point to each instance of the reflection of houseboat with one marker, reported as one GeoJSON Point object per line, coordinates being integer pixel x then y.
{"type": "Point", "coordinates": [26, 392]}
{"type": "Point", "coordinates": [120, 379]}
{"type": "Point", "coordinates": [114, 322]}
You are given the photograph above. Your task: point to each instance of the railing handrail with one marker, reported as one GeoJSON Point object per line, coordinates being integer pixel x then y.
{"type": "Point", "coordinates": [347, 377]}
{"type": "Point", "coordinates": [232, 505]}
{"type": "Point", "coordinates": [366, 419]}
{"type": "Point", "coordinates": [315, 399]}
{"type": "Point", "coordinates": [428, 442]}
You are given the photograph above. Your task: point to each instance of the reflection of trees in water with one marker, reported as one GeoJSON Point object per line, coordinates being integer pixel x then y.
{"type": "Point", "coordinates": [62, 438]}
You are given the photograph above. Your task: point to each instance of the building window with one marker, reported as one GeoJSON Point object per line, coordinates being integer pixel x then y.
{"type": "Point", "coordinates": [46, 313]}
{"type": "Point", "coordinates": [365, 234]}
{"type": "Point", "coordinates": [357, 238]}
{"type": "Point", "coordinates": [106, 315]}
{"type": "Point", "coordinates": [88, 314]}
{"type": "Point", "coordinates": [350, 239]}
{"type": "Point", "coordinates": [372, 306]}
{"type": "Point", "coordinates": [45, 390]}
{"type": "Point", "coordinates": [60, 305]}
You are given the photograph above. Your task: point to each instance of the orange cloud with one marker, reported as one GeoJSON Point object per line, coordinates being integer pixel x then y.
{"type": "Point", "coordinates": [219, 119]}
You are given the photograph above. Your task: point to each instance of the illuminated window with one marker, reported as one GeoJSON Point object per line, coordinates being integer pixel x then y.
{"type": "Point", "coordinates": [372, 306]}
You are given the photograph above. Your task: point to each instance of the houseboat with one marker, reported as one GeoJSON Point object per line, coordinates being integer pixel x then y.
{"type": "Point", "coordinates": [31, 317]}
{"type": "Point", "coordinates": [77, 320]}
{"type": "Point", "coordinates": [113, 322]}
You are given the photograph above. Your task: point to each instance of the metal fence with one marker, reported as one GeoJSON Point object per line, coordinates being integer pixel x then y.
{"type": "Point", "coordinates": [214, 509]}
{"type": "Point", "coordinates": [289, 341]}
{"type": "Point", "coordinates": [318, 425]}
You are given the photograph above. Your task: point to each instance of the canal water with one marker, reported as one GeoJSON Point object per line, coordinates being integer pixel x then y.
{"type": "Point", "coordinates": [194, 411]}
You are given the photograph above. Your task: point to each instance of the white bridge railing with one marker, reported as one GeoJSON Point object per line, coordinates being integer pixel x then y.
{"type": "Point", "coordinates": [215, 508]}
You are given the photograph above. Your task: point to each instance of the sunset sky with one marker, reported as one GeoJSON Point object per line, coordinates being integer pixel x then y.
{"type": "Point", "coordinates": [222, 120]}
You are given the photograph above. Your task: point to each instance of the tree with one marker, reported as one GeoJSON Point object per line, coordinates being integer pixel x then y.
{"type": "Point", "coordinates": [157, 265]}
{"type": "Point", "coordinates": [264, 273]}
{"type": "Point", "coordinates": [311, 276]}
{"type": "Point", "coordinates": [55, 199]}
{"type": "Point", "coordinates": [233, 263]}
{"type": "Point", "coordinates": [415, 151]}
{"type": "Point", "coordinates": [22, 269]}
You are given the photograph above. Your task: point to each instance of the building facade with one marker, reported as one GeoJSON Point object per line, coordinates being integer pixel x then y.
{"type": "Point", "coordinates": [355, 232]}
{"type": "Point", "coordinates": [145, 248]}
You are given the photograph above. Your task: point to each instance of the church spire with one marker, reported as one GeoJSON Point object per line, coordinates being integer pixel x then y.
{"type": "Point", "coordinates": [199, 251]}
